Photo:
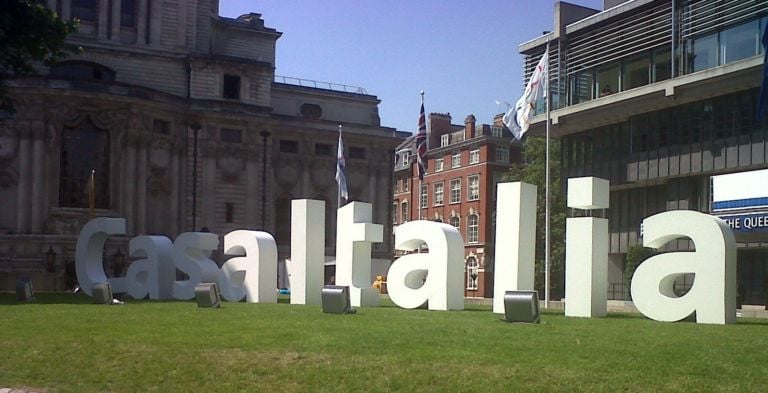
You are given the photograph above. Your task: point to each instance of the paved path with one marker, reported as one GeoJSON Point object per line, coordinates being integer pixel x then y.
{"type": "Point", "coordinates": [9, 390]}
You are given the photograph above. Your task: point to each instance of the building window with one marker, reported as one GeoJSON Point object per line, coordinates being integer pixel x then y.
{"type": "Point", "coordinates": [438, 165]}
{"type": "Point", "coordinates": [231, 87]}
{"type": "Point", "coordinates": [455, 222]}
{"type": "Point", "coordinates": [502, 154]}
{"type": "Point", "coordinates": [704, 52]}
{"type": "Point", "coordinates": [287, 146]}
{"type": "Point", "coordinates": [445, 140]}
{"type": "Point", "coordinates": [497, 131]}
{"type": "Point", "coordinates": [608, 79]}
{"type": "Point", "coordinates": [636, 73]}
{"type": "Point", "coordinates": [77, 69]}
{"type": "Point", "coordinates": [473, 187]}
{"type": "Point", "coordinates": [406, 158]}
{"type": "Point", "coordinates": [438, 193]}
{"type": "Point", "coordinates": [662, 65]}
{"type": "Point", "coordinates": [472, 228]}
{"type": "Point", "coordinates": [456, 160]}
{"type": "Point", "coordinates": [357, 153]}
{"type": "Point", "coordinates": [739, 42]}
{"type": "Point", "coordinates": [394, 212]}
{"type": "Point", "coordinates": [231, 136]}
{"type": "Point", "coordinates": [229, 212]}
{"type": "Point", "coordinates": [311, 111]}
{"type": "Point", "coordinates": [128, 13]}
{"type": "Point", "coordinates": [323, 149]}
{"type": "Point", "coordinates": [404, 211]}
{"type": "Point", "coordinates": [423, 197]}
{"type": "Point", "coordinates": [474, 156]}
{"type": "Point", "coordinates": [455, 190]}
{"type": "Point", "coordinates": [405, 185]}
{"type": "Point", "coordinates": [160, 126]}
{"type": "Point", "coordinates": [582, 87]}
{"type": "Point", "coordinates": [85, 10]}
{"type": "Point", "coordinates": [473, 269]}
{"type": "Point", "coordinates": [84, 149]}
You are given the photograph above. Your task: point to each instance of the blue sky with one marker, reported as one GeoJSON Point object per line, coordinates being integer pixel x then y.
{"type": "Point", "coordinates": [463, 54]}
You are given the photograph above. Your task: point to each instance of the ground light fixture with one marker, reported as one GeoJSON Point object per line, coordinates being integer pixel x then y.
{"type": "Point", "coordinates": [207, 295]}
{"type": "Point", "coordinates": [521, 306]}
{"type": "Point", "coordinates": [335, 300]}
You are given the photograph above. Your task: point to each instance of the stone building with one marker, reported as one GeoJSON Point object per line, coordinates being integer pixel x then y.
{"type": "Point", "coordinates": [464, 165]}
{"type": "Point", "coordinates": [660, 97]}
{"type": "Point", "coordinates": [177, 114]}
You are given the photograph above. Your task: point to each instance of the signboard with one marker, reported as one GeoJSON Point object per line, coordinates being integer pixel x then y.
{"type": "Point", "coordinates": [756, 222]}
{"type": "Point", "coordinates": [740, 191]}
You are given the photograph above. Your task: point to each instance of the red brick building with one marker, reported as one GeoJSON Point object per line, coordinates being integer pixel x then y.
{"type": "Point", "coordinates": [464, 164]}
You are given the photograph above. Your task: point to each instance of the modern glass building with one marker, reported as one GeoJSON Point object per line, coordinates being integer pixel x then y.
{"type": "Point", "coordinates": [658, 97]}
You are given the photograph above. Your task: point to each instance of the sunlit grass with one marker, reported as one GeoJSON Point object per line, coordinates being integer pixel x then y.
{"type": "Point", "coordinates": [62, 343]}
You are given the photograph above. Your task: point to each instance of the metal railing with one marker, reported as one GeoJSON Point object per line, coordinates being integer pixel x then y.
{"type": "Point", "coordinates": [319, 85]}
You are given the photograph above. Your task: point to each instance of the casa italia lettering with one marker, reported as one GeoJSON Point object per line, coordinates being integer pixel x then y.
{"type": "Point", "coordinates": [433, 278]}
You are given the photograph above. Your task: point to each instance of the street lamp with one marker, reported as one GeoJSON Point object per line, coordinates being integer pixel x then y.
{"type": "Point", "coordinates": [264, 135]}
{"type": "Point", "coordinates": [196, 128]}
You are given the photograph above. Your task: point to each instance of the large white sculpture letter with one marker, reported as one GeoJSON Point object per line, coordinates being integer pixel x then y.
{"type": "Point", "coordinates": [190, 254]}
{"type": "Point", "coordinates": [444, 264]}
{"type": "Point", "coordinates": [90, 246]}
{"type": "Point", "coordinates": [515, 240]}
{"type": "Point", "coordinates": [586, 250]}
{"type": "Point", "coordinates": [254, 275]}
{"type": "Point", "coordinates": [713, 294]}
{"type": "Point", "coordinates": [154, 275]}
{"type": "Point", "coordinates": [306, 268]}
{"type": "Point", "coordinates": [354, 235]}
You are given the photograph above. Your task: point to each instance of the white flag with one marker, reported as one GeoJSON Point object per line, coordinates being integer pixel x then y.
{"type": "Point", "coordinates": [518, 118]}
{"type": "Point", "coordinates": [341, 165]}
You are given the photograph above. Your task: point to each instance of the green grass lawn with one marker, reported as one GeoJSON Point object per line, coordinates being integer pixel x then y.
{"type": "Point", "coordinates": [62, 343]}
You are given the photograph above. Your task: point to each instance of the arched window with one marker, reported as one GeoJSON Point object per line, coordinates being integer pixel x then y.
{"type": "Point", "coordinates": [84, 150]}
{"type": "Point", "coordinates": [77, 69]}
{"type": "Point", "coordinates": [472, 228]}
{"type": "Point", "coordinates": [473, 268]}
{"type": "Point", "coordinates": [455, 221]}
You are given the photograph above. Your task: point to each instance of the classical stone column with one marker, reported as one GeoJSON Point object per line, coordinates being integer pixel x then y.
{"type": "Point", "coordinates": [101, 20]}
{"type": "Point", "coordinates": [24, 186]}
{"type": "Point", "coordinates": [129, 184]}
{"type": "Point", "coordinates": [116, 4]}
{"type": "Point", "coordinates": [174, 197]}
{"type": "Point", "coordinates": [253, 190]}
{"type": "Point", "coordinates": [141, 188]}
{"type": "Point", "coordinates": [141, 23]}
{"type": "Point", "coordinates": [208, 200]}
{"type": "Point", "coordinates": [38, 178]}
{"type": "Point", "coordinates": [66, 8]}
{"type": "Point", "coordinates": [154, 22]}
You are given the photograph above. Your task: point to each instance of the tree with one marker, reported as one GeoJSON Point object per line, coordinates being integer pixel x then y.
{"type": "Point", "coordinates": [635, 256]}
{"type": "Point", "coordinates": [533, 171]}
{"type": "Point", "coordinates": [29, 33]}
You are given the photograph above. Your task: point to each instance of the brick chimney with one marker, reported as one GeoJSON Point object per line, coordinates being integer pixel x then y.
{"type": "Point", "coordinates": [439, 124]}
{"type": "Point", "coordinates": [469, 127]}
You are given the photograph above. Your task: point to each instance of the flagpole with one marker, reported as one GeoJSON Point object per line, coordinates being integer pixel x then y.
{"type": "Point", "coordinates": [92, 194]}
{"type": "Point", "coordinates": [419, 163]}
{"type": "Point", "coordinates": [546, 197]}
{"type": "Point", "coordinates": [338, 185]}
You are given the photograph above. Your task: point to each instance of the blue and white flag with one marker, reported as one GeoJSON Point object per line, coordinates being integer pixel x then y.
{"type": "Point", "coordinates": [341, 165]}
{"type": "Point", "coordinates": [518, 119]}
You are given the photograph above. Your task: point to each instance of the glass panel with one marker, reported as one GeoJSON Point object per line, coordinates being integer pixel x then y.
{"type": "Point", "coordinates": [739, 42]}
{"type": "Point", "coordinates": [636, 73]}
{"type": "Point", "coordinates": [581, 87]}
{"type": "Point", "coordinates": [704, 53]}
{"type": "Point", "coordinates": [608, 80]}
{"type": "Point", "coordinates": [84, 149]}
{"type": "Point", "coordinates": [662, 65]}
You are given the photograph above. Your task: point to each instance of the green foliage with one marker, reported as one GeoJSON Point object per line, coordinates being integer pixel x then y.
{"type": "Point", "coordinates": [635, 256]}
{"type": "Point", "coordinates": [533, 171]}
{"type": "Point", "coordinates": [29, 33]}
{"type": "Point", "coordinates": [62, 343]}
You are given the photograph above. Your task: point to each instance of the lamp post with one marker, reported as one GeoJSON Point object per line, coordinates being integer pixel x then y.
{"type": "Point", "coordinates": [196, 128]}
{"type": "Point", "coordinates": [264, 135]}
